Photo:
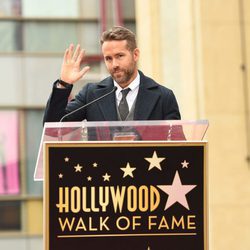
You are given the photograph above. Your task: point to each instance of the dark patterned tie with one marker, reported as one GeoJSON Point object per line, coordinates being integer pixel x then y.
{"type": "Point", "coordinates": [123, 105]}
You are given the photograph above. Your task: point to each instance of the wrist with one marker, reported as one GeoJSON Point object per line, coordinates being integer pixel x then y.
{"type": "Point", "coordinates": [64, 84]}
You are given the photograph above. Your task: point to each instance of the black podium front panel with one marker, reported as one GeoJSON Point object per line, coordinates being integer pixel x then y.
{"type": "Point", "coordinates": [125, 196]}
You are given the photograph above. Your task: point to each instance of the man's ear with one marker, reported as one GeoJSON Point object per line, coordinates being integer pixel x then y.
{"type": "Point", "coordinates": [136, 54]}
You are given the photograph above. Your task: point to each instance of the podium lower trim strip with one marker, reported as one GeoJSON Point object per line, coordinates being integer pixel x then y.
{"type": "Point", "coordinates": [125, 235]}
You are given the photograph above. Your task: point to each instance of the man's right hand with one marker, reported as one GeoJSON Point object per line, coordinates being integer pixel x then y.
{"type": "Point", "coordinates": [71, 70]}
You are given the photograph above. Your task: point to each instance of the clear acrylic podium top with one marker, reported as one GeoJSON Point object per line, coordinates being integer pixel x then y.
{"type": "Point", "coordinates": [167, 130]}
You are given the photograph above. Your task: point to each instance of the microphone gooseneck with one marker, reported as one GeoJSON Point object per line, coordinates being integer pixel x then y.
{"type": "Point", "coordinates": [87, 104]}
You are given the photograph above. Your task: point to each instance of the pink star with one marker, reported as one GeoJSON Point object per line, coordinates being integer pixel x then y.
{"type": "Point", "coordinates": [176, 192]}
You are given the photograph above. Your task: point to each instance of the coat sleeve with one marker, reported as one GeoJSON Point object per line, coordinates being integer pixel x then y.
{"type": "Point", "coordinates": [56, 105]}
{"type": "Point", "coordinates": [171, 108]}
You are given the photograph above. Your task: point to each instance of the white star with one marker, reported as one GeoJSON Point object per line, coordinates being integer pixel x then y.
{"type": "Point", "coordinates": [66, 159]}
{"type": "Point", "coordinates": [106, 177]}
{"type": "Point", "coordinates": [185, 164]}
{"type": "Point", "coordinates": [176, 192]}
{"type": "Point", "coordinates": [155, 161]}
{"type": "Point", "coordinates": [95, 165]}
{"type": "Point", "coordinates": [78, 168]}
{"type": "Point", "coordinates": [60, 176]}
{"type": "Point", "coordinates": [89, 178]}
{"type": "Point", "coordinates": [128, 171]}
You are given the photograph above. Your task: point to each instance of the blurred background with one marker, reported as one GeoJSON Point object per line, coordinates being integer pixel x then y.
{"type": "Point", "coordinates": [198, 48]}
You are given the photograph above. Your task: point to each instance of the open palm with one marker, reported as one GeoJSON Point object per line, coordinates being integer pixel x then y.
{"type": "Point", "coordinates": [71, 67]}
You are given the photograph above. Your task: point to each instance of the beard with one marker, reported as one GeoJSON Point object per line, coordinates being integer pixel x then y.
{"type": "Point", "coordinates": [123, 76]}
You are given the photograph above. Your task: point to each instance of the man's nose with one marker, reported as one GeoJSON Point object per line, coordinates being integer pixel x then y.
{"type": "Point", "coordinates": [115, 63]}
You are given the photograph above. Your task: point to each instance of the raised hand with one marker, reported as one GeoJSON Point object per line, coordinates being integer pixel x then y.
{"type": "Point", "coordinates": [71, 67]}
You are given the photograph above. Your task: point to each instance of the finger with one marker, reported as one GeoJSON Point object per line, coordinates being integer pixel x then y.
{"type": "Point", "coordinates": [84, 70]}
{"type": "Point", "coordinates": [66, 54]}
{"type": "Point", "coordinates": [71, 49]}
{"type": "Point", "coordinates": [76, 53]}
{"type": "Point", "coordinates": [80, 57]}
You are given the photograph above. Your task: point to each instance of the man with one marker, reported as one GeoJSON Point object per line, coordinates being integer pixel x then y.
{"type": "Point", "coordinates": [142, 98]}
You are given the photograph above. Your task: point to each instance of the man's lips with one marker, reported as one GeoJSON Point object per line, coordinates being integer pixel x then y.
{"type": "Point", "coordinates": [118, 73]}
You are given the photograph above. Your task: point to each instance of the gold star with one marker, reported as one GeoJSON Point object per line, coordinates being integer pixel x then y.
{"type": "Point", "coordinates": [95, 165]}
{"type": "Point", "coordinates": [89, 178]}
{"type": "Point", "coordinates": [78, 168]}
{"type": "Point", "coordinates": [155, 161]}
{"type": "Point", "coordinates": [128, 171]}
{"type": "Point", "coordinates": [66, 159]}
{"type": "Point", "coordinates": [60, 176]}
{"type": "Point", "coordinates": [106, 177]}
{"type": "Point", "coordinates": [185, 164]}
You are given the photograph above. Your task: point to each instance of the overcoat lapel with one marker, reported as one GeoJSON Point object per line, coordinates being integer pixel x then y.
{"type": "Point", "coordinates": [147, 98]}
{"type": "Point", "coordinates": [107, 105]}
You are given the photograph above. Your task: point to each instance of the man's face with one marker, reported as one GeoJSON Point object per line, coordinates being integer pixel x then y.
{"type": "Point", "coordinates": [120, 62]}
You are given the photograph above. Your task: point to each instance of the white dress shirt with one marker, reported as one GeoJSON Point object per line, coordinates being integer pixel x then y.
{"type": "Point", "coordinates": [132, 94]}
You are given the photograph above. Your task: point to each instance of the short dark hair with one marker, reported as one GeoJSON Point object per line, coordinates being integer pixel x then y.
{"type": "Point", "coordinates": [119, 33]}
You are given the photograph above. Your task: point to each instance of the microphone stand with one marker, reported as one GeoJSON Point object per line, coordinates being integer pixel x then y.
{"type": "Point", "coordinates": [80, 108]}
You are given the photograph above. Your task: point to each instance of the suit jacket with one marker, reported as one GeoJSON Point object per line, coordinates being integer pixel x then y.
{"type": "Point", "coordinates": [154, 102]}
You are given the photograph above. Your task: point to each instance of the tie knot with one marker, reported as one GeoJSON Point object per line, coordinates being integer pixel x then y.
{"type": "Point", "coordinates": [125, 92]}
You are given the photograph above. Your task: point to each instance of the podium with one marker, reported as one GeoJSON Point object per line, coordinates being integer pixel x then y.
{"type": "Point", "coordinates": [135, 185]}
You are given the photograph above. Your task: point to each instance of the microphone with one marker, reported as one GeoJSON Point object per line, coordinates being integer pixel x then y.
{"type": "Point", "coordinates": [89, 103]}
